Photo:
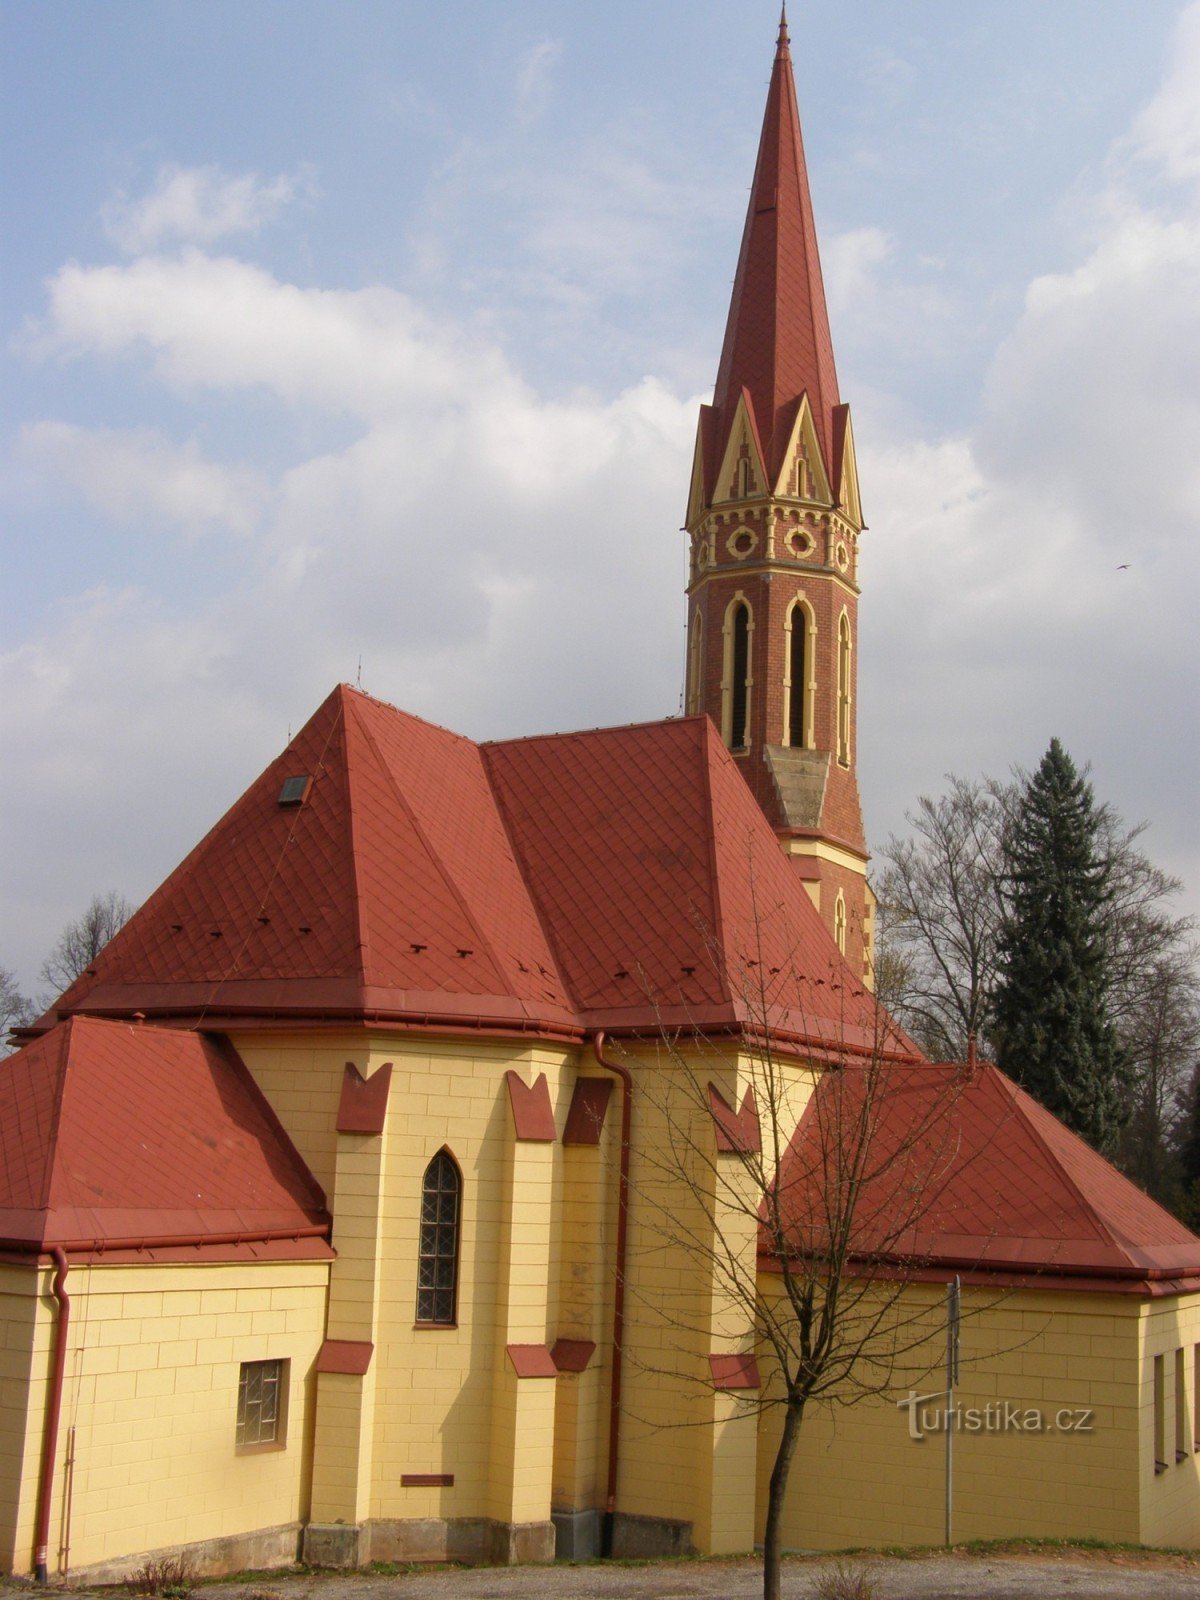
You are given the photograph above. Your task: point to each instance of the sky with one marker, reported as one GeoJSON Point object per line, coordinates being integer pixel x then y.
{"type": "Point", "coordinates": [365, 343]}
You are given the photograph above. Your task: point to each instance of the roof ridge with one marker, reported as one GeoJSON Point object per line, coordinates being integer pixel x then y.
{"type": "Point", "coordinates": [707, 733]}
{"type": "Point", "coordinates": [357, 693]}
{"type": "Point", "coordinates": [583, 733]}
{"type": "Point", "coordinates": [1019, 1094]}
{"type": "Point", "coordinates": [58, 1104]}
{"type": "Point", "coordinates": [560, 964]}
{"type": "Point", "coordinates": [359, 910]}
{"type": "Point", "coordinates": [432, 855]}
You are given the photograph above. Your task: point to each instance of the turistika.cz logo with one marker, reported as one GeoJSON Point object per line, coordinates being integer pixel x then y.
{"type": "Point", "coordinates": [929, 1413]}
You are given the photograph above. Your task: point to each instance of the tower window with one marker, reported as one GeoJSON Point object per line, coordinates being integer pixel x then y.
{"type": "Point", "coordinates": [797, 703]}
{"type": "Point", "coordinates": [843, 698]}
{"type": "Point", "coordinates": [743, 479]}
{"type": "Point", "coordinates": [839, 921]}
{"type": "Point", "coordinates": [740, 676]}
{"type": "Point", "coordinates": [695, 662]}
{"type": "Point", "coordinates": [437, 1264]}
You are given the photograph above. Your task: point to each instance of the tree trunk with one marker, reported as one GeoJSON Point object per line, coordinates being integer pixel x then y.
{"type": "Point", "coordinates": [773, 1537]}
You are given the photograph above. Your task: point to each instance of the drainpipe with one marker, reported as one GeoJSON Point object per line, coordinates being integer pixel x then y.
{"type": "Point", "coordinates": [53, 1410]}
{"type": "Point", "coordinates": [618, 1333]}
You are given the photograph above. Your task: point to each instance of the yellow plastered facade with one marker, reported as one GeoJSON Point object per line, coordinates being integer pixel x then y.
{"type": "Point", "coordinates": [147, 1458]}
{"type": "Point", "coordinates": [1053, 1437]}
{"type": "Point", "coordinates": [147, 1454]}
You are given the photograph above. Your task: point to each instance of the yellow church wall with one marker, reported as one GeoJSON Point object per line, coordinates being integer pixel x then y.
{"type": "Point", "coordinates": [301, 1076]}
{"type": "Point", "coordinates": [1051, 1415]}
{"type": "Point", "coordinates": [446, 1400]}
{"type": "Point", "coordinates": [1169, 1494]}
{"type": "Point", "coordinates": [584, 1310]}
{"type": "Point", "coordinates": [26, 1330]}
{"type": "Point", "coordinates": [149, 1409]}
{"type": "Point", "coordinates": [688, 1451]}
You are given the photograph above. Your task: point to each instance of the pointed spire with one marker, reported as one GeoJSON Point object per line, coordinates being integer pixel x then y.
{"type": "Point", "coordinates": [777, 344]}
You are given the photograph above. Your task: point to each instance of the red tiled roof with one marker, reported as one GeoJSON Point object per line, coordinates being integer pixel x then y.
{"type": "Point", "coordinates": [391, 888]}
{"type": "Point", "coordinates": [617, 878]}
{"type": "Point", "coordinates": [777, 342]}
{"type": "Point", "coordinates": [965, 1172]}
{"type": "Point", "coordinates": [660, 883]}
{"type": "Point", "coordinates": [115, 1134]}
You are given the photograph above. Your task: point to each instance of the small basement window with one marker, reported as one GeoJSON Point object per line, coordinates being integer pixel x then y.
{"type": "Point", "coordinates": [295, 790]}
{"type": "Point", "coordinates": [262, 1405]}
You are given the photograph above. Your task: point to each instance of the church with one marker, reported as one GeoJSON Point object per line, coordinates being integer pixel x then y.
{"type": "Point", "coordinates": [386, 1188]}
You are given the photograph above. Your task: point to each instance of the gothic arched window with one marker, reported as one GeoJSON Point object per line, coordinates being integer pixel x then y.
{"type": "Point", "coordinates": [437, 1261]}
{"type": "Point", "coordinates": [695, 663]}
{"type": "Point", "coordinates": [799, 622]}
{"type": "Point", "coordinates": [843, 698]}
{"type": "Point", "coordinates": [735, 709]}
{"type": "Point", "coordinates": [839, 921]}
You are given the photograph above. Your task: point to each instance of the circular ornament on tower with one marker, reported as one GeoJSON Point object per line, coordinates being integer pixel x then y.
{"type": "Point", "coordinates": [841, 556]}
{"type": "Point", "coordinates": [742, 543]}
{"type": "Point", "coordinates": [799, 542]}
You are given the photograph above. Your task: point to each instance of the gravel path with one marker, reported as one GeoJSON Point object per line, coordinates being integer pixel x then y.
{"type": "Point", "coordinates": [1066, 1575]}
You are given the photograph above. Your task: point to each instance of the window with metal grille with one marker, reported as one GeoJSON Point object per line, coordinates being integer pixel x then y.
{"type": "Point", "coordinates": [437, 1264]}
{"type": "Point", "coordinates": [262, 1402]}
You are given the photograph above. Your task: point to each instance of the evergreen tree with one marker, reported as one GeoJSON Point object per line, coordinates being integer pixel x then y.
{"type": "Point", "coordinates": [1051, 1013]}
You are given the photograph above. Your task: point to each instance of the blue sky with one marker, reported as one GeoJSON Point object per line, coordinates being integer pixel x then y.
{"type": "Point", "coordinates": [376, 332]}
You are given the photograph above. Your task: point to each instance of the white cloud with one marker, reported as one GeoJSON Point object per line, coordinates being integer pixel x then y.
{"type": "Point", "coordinates": [994, 574]}
{"type": "Point", "coordinates": [535, 80]}
{"type": "Point", "coordinates": [198, 205]}
{"type": "Point", "coordinates": [222, 324]}
{"type": "Point", "coordinates": [136, 476]}
{"type": "Point", "coordinates": [1167, 131]}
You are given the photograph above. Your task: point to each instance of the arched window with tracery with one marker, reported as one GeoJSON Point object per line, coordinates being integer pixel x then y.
{"type": "Point", "coordinates": [735, 707]}
{"type": "Point", "coordinates": [695, 663]}
{"type": "Point", "coordinates": [797, 716]}
{"type": "Point", "coordinates": [437, 1261]}
{"type": "Point", "coordinates": [843, 698]}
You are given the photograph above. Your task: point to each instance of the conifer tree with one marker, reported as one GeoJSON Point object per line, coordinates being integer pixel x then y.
{"type": "Point", "coordinates": [1051, 1015]}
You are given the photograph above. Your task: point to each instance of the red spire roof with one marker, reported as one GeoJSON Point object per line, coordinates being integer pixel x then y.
{"type": "Point", "coordinates": [208, 1159]}
{"type": "Point", "coordinates": [777, 344]}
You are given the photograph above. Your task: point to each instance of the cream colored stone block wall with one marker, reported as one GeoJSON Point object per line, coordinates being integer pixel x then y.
{"type": "Point", "coordinates": [587, 1245]}
{"type": "Point", "coordinates": [687, 1453]}
{"type": "Point", "coordinates": [150, 1406]}
{"type": "Point", "coordinates": [1170, 1496]}
{"type": "Point", "coordinates": [1071, 1359]}
{"type": "Point", "coordinates": [26, 1332]}
{"type": "Point", "coordinates": [302, 1078]}
{"type": "Point", "coordinates": [441, 1404]}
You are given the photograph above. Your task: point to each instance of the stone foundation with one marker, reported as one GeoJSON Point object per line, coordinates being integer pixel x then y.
{"type": "Point", "coordinates": [209, 1558]}
{"type": "Point", "coordinates": [476, 1541]}
{"type": "Point", "coordinates": [577, 1535]}
{"type": "Point", "coordinates": [643, 1538]}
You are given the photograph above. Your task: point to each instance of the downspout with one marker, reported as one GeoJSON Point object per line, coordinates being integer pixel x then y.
{"type": "Point", "coordinates": [53, 1410]}
{"type": "Point", "coordinates": [618, 1333]}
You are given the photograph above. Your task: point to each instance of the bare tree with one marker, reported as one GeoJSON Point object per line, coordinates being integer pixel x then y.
{"type": "Point", "coordinates": [825, 1172]}
{"type": "Point", "coordinates": [941, 900]}
{"type": "Point", "coordinates": [81, 941]}
{"type": "Point", "coordinates": [939, 915]}
{"type": "Point", "coordinates": [16, 1009]}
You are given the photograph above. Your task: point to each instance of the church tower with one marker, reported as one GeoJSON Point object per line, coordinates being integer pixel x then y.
{"type": "Point", "coordinates": [774, 522]}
